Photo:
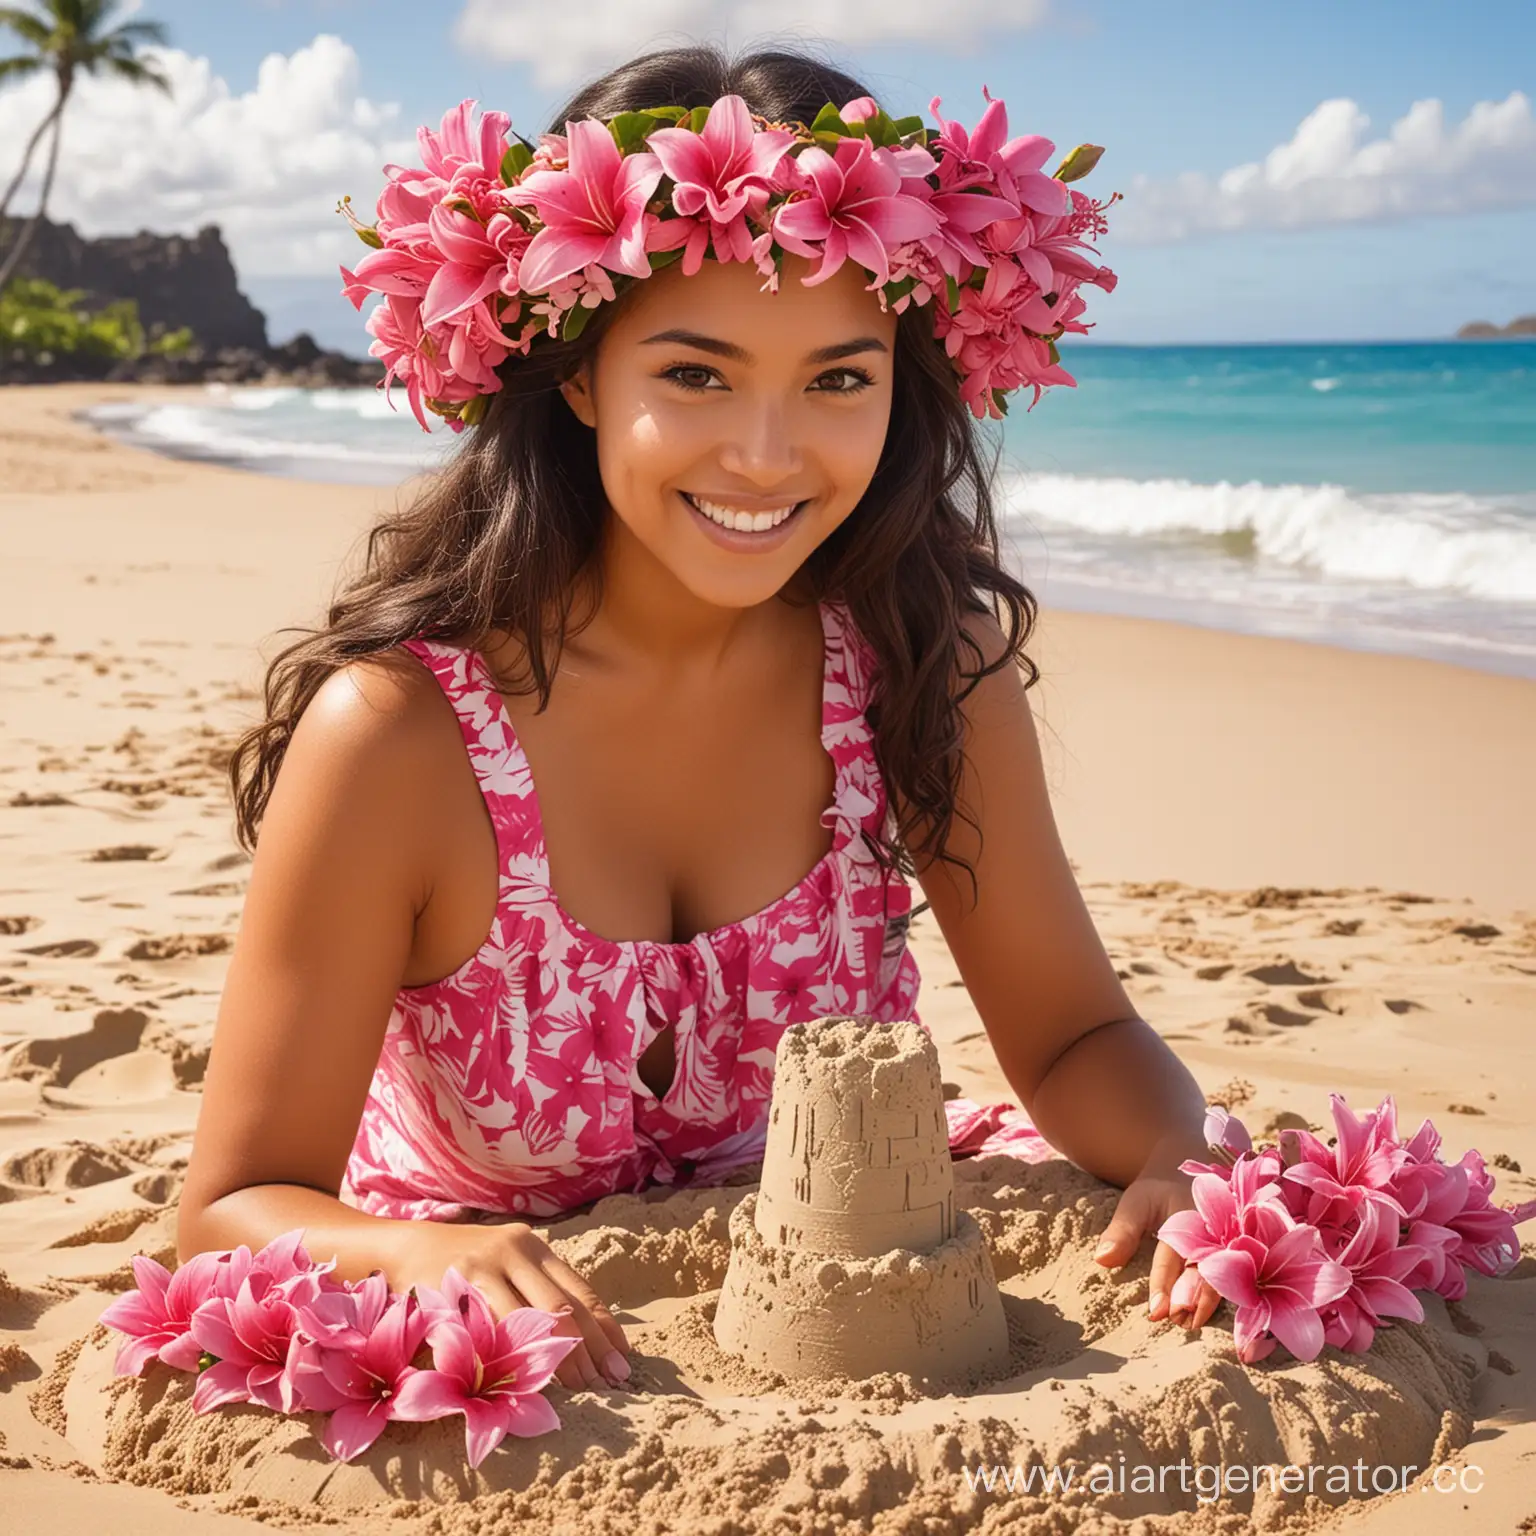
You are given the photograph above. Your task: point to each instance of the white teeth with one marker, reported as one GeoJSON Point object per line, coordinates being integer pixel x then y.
{"type": "Point", "coordinates": [742, 522]}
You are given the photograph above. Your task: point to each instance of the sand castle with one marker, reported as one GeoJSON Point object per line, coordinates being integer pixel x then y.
{"type": "Point", "coordinates": [851, 1258]}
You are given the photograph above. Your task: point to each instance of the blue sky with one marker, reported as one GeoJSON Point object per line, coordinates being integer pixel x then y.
{"type": "Point", "coordinates": [1170, 89]}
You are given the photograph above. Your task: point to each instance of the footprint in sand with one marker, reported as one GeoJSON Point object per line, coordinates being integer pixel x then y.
{"type": "Point", "coordinates": [16, 925]}
{"type": "Point", "coordinates": [179, 946]}
{"type": "Point", "coordinates": [65, 949]}
{"type": "Point", "coordinates": [1286, 973]}
{"type": "Point", "coordinates": [217, 888]}
{"type": "Point", "coordinates": [128, 852]}
{"type": "Point", "coordinates": [59, 1060]}
{"type": "Point", "coordinates": [66, 1165]}
{"type": "Point", "coordinates": [24, 801]}
{"type": "Point", "coordinates": [1355, 1000]}
{"type": "Point", "coordinates": [227, 861]}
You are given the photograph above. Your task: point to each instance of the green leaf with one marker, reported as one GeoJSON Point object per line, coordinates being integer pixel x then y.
{"type": "Point", "coordinates": [1052, 352]}
{"type": "Point", "coordinates": [516, 160]}
{"type": "Point", "coordinates": [880, 130]}
{"type": "Point", "coordinates": [696, 120]}
{"type": "Point", "coordinates": [574, 321]}
{"type": "Point", "coordinates": [668, 114]}
{"type": "Point", "coordinates": [1000, 399]}
{"type": "Point", "coordinates": [908, 125]}
{"type": "Point", "coordinates": [660, 259]}
{"type": "Point", "coordinates": [1079, 162]}
{"type": "Point", "coordinates": [830, 120]}
{"type": "Point", "coordinates": [953, 292]}
{"type": "Point", "coordinates": [472, 412]}
{"type": "Point", "coordinates": [894, 291]}
{"type": "Point", "coordinates": [629, 130]}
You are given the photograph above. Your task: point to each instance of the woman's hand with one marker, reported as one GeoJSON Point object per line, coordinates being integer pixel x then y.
{"type": "Point", "coordinates": [513, 1267]}
{"type": "Point", "coordinates": [1175, 1291]}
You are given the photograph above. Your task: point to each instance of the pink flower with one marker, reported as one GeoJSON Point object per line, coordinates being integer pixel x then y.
{"type": "Point", "coordinates": [1378, 1267]}
{"type": "Point", "coordinates": [721, 174]}
{"type": "Point", "coordinates": [490, 1371]}
{"type": "Point", "coordinates": [593, 211]}
{"type": "Point", "coordinates": [1009, 167]}
{"type": "Point", "coordinates": [851, 206]}
{"type": "Point", "coordinates": [255, 1339]}
{"type": "Point", "coordinates": [1277, 1287]}
{"type": "Point", "coordinates": [157, 1317]}
{"type": "Point", "coordinates": [463, 149]}
{"type": "Point", "coordinates": [1360, 1166]}
{"type": "Point", "coordinates": [363, 1344]}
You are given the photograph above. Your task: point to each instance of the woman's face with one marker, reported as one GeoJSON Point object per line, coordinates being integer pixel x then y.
{"type": "Point", "coordinates": [714, 402]}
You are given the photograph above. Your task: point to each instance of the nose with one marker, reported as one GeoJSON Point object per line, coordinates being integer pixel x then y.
{"type": "Point", "coordinates": [762, 446]}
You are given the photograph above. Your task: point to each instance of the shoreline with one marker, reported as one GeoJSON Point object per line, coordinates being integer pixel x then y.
{"type": "Point", "coordinates": [1133, 712]}
{"type": "Point", "coordinates": [1306, 606]}
{"type": "Point", "coordinates": [1314, 869]}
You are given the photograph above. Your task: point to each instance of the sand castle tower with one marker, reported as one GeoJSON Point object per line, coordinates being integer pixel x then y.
{"type": "Point", "coordinates": [851, 1258]}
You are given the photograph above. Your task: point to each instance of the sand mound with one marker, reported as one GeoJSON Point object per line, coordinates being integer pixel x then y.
{"type": "Point", "coordinates": [700, 1440]}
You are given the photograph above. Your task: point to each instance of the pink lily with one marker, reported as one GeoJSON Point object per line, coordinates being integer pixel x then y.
{"type": "Point", "coordinates": [157, 1317]}
{"type": "Point", "coordinates": [1378, 1268]}
{"type": "Point", "coordinates": [1360, 1166]}
{"type": "Point", "coordinates": [254, 1337]}
{"type": "Point", "coordinates": [852, 206]}
{"type": "Point", "coordinates": [462, 147]}
{"type": "Point", "coordinates": [1277, 1288]}
{"type": "Point", "coordinates": [986, 155]}
{"type": "Point", "coordinates": [490, 1371]}
{"type": "Point", "coordinates": [721, 174]}
{"type": "Point", "coordinates": [364, 1342]}
{"type": "Point", "coordinates": [593, 211]}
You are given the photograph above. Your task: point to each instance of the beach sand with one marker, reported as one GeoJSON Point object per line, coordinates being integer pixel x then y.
{"type": "Point", "coordinates": [1315, 870]}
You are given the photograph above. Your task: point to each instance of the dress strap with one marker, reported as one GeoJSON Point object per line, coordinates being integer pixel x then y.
{"type": "Point", "coordinates": [498, 762]}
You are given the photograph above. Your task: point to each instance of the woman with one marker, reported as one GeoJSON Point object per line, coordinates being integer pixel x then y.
{"type": "Point", "coordinates": [717, 573]}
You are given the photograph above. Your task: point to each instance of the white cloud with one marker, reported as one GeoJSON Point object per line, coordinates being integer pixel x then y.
{"type": "Point", "coordinates": [268, 166]}
{"type": "Point", "coordinates": [1327, 173]}
{"type": "Point", "coordinates": [565, 43]}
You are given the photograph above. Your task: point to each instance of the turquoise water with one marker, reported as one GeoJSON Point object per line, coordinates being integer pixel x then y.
{"type": "Point", "coordinates": [1378, 495]}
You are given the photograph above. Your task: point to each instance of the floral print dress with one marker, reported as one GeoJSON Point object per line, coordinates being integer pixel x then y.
{"type": "Point", "coordinates": [511, 1087]}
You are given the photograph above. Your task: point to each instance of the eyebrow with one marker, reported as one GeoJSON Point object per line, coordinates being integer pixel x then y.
{"type": "Point", "coordinates": [737, 354]}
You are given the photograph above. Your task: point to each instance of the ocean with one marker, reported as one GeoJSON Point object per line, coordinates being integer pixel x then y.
{"type": "Point", "coordinates": [1378, 495]}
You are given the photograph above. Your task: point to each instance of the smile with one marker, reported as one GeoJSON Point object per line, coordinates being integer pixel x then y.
{"type": "Point", "coordinates": [737, 520]}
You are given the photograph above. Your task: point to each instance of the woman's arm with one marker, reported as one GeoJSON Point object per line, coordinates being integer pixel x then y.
{"type": "Point", "coordinates": [342, 870]}
{"type": "Point", "coordinates": [1097, 1080]}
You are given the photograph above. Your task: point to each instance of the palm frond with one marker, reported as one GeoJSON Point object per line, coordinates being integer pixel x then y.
{"type": "Point", "coordinates": [28, 27]}
{"type": "Point", "coordinates": [21, 67]}
{"type": "Point", "coordinates": [135, 71]}
{"type": "Point", "coordinates": [140, 34]}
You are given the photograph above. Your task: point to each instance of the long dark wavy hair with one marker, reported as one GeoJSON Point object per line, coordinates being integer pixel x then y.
{"type": "Point", "coordinates": [497, 537]}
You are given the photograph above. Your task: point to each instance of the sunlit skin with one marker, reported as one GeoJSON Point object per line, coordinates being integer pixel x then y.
{"type": "Point", "coordinates": [770, 426]}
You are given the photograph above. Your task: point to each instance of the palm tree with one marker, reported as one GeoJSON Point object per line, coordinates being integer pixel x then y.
{"type": "Point", "coordinates": [69, 38]}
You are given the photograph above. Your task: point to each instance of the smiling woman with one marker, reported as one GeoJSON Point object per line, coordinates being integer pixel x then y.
{"type": "Point", "coordinates": [715, 567]}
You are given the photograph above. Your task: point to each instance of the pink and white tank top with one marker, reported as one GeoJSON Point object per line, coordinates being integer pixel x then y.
{"type": "Point", "coordinates": [511, 1086]}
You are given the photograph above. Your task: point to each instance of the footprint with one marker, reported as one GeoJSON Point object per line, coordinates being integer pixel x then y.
{"type": "Point", "coordinates": [68, 1165]}
{"type": "Point", "coordinates": [217, 888]}
{"type": "Point", "coordinates": [60, 1060]}
{"type": "Point", "coordinates": [1285, 974]}
{"type": "Point", "coordinates": [228, 861]}
{"type": "Point", "coordinates": [1212, 972]}
{"type": "Point", "coordinates": [127, 852]}
{"type": "Point", "coordinates": [65, 949]}
{"type": "Point", "coordinates": [24, 801]}
{"type": "Point", "coordinates": [114, 1227]}
{"type": "Point", "coordinates": [179, 946]}
{"type": "Point", "coordinates": [14, 925]}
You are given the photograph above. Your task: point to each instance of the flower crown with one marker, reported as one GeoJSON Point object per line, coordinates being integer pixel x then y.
{"type": "Point", "coordinates": [493, 243]}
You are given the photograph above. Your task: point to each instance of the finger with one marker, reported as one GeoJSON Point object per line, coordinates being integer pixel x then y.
{"type": "Point", "coordinates": [1205, 1307]}
{"type": "Point", "coordinates": [578, 1369]}
{"type": "Point", "coordinates": [1122, 1237]}
{"type": "Point", "coordinates": [609, 1338]}
{"type": "Point", "coordinates": [1166, 1264]}
{"type": "Point", "coordinates": [1184, 1296]}
{"type": "Point", "coordinates": [496, 1289]}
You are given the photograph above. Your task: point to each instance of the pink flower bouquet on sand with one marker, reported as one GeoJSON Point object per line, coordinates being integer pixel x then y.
{"type": "Point", "coordinates": [1318, 1244]}
{"type": "Point", "coordinates": [277, 1329]}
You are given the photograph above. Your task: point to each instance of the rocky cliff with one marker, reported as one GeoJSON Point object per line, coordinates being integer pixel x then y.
{"type": "Point", "coordinates": [1479, 330]}
{"type": "Point", "coordinates": [175, 280]}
